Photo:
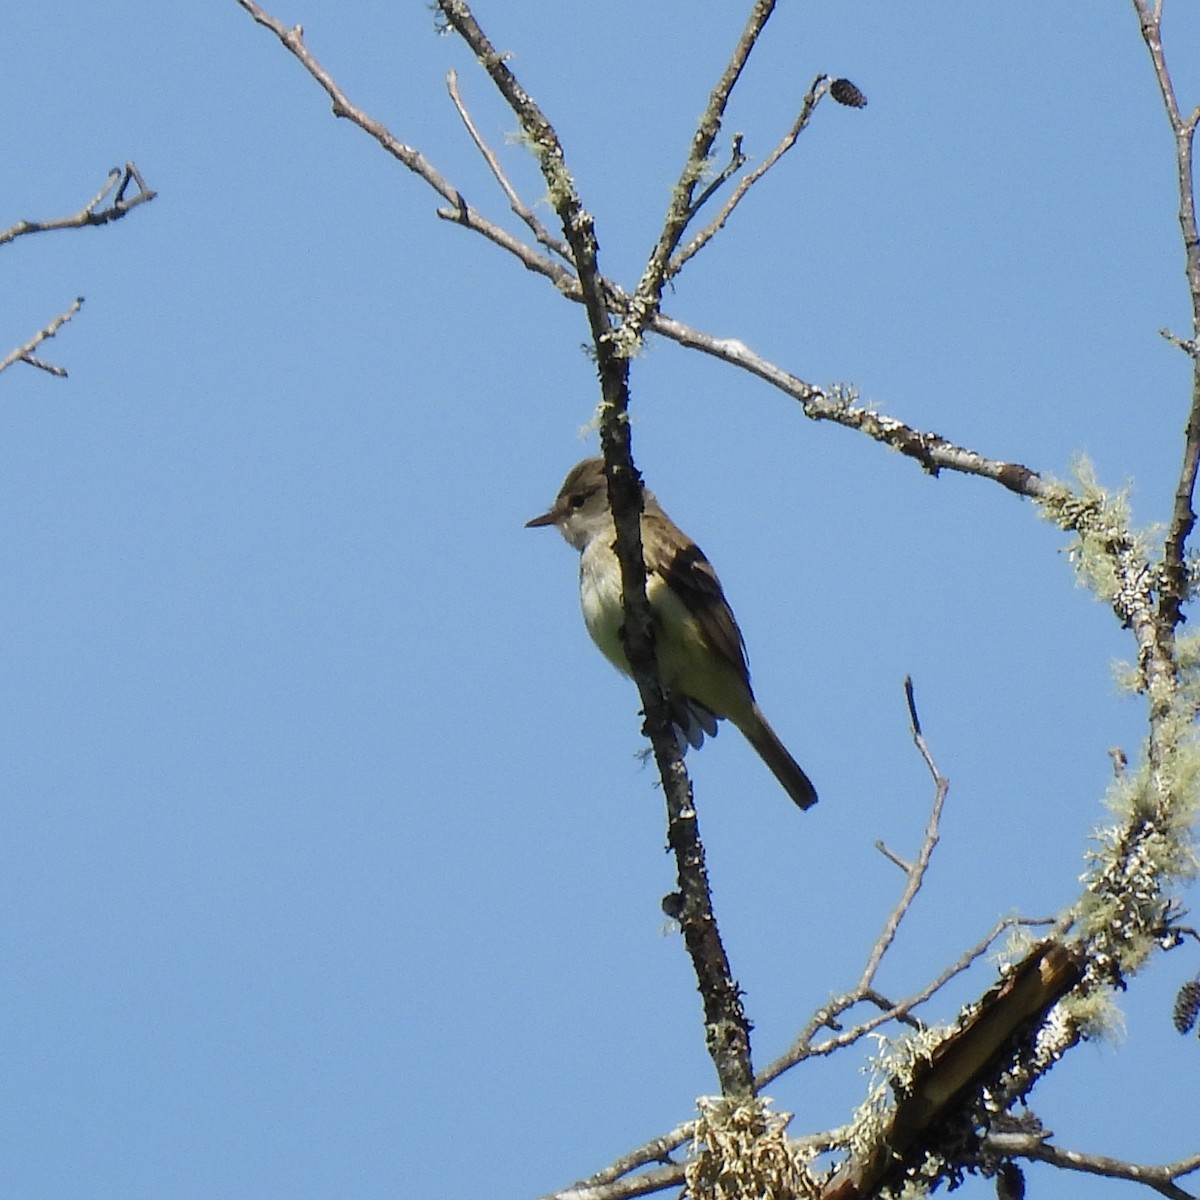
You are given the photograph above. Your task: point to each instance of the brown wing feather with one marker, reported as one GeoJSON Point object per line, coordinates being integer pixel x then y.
{"type": "Point", "coordinates": [691, 577]}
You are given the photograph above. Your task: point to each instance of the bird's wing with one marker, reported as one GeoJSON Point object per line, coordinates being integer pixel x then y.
{"type": "Point", "coordinates": [691, 577]}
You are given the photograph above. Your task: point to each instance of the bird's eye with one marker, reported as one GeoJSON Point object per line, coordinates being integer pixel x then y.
{"type": "Point", "coordinates": [576, 500]}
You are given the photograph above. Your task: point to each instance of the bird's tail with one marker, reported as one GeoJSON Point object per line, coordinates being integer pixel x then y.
{"type": "Point", "coordinates": [775, 754]}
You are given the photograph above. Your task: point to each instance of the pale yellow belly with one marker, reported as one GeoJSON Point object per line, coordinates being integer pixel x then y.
{"type": "Point", "coordinates": [686, 663]}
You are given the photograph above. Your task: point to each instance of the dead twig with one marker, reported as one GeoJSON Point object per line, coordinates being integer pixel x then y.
{"type": "Point", "coordinates": [518, 206]}
{"type": "Point", "coordinates": [1037, 1148]}
{"type": "Point", "coordinates": [820, 86]}
{"type": "Point", "coordinates": [916, 872]}
{"type": "Point", "coordinates": [682, 208]}
{"type": "Point", "coordinates": [117, 184]}
{"type": "Point", "coordinates": [1174, 589]}
{"type": "Point", "coordinates": [26, 354]}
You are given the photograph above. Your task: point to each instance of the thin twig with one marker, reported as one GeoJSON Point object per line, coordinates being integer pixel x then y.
{"type": "Point", "coordinates": [933, 452]}
{"type": "Point", "coordinates": [1174, 587]}
{"type": "Point", "coordinates": [901, 1009]}
{"type": "Point", "coordinates": [91, 213]}
{"type": "Point", "coordinates": [916, 873]}
{"type": "Point", "coordinates": [293, 40]}
{"type": "Point", "coordinates": [625, 1188]}
{"type": "Point", "coordinates": [658, 1150]}
{"type": "Point", "coordinates": [893, 857]}
{"type": "Point", "coordinates": [539, 231]}
{"type": "Point", "coordinates": [819, 87]}
{"type": "Point", "coordinates": [26, 354]}
{"type": "Point", "coordinates": [1189, 348]}
{"type": "Point", "coordinates": [737, 160]}
{"type": "Point", "coordinates": [1036, 1148]}
{"type": "Point", "coordinates": [648, 294]}
{"type": "Point", "coordinates": [804, 1046]}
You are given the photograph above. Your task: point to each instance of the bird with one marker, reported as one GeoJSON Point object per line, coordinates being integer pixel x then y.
{"type": "Point", "coordinates": [699, 648]}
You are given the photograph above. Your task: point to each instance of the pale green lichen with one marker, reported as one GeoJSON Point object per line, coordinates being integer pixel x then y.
{"type": "Point", "coordinates": [1093, 1014]}
{"type": "Point", "coordinates": [918, 1187]}
{"type": "Point", "coordinates": [680, 204]}
{"type": "Point", "coordinates": [869, 1121]}
{"type": "Point", "coordinates": [1149, 848]}
{"type": "Point", "coordinates": [1127, 676]}
{"type": "Point", "coordinates": [1057, 1033]}
{"type": "Point", "coordinates": [1099, 521]}
{"type": "Point", "coordinates": [843, 397]}
{"type": "Point", "coordinates": [891, 1071]}
{"type": "Point", "coordinates": [1020, 940]}
{"type": "Point", "coordinates": [741, 1149]}
{"type": "Point", "coordinates": [1120, 915]}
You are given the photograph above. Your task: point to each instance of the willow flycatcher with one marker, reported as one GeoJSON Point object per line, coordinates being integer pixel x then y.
{"type": "Point", "coordinates": [699, 647]}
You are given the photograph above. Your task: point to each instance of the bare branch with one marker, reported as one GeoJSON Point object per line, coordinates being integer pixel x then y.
{"type": "Point", "coordinates": [91, 213]}
{"type": "Point", "coordinates": [625, 1185]}
{"type": "Point", "coordinates": [803, 1046]}
{"type": "Point", "coordinates": [915, 873]}
{"type": "Point", "coordinates": [459, 212]}
{"type": "Point", "coordinates": [819, 87]}
{"type": "Point", "coordinates": [1036, 1148]}
{"type": "Point", "coordinates": [826, 1017]}
{"type": "Point", "coordinates": [900, 1010]}
{"type": "Point", "coordinates": [25, 353]}
{"type": "Point", "coordinates": [562, 278]}
{"type": "Point", "coordinates": [681, 210]}
{"type": "Point", "coordinates": [737, 160]}
{"type": "Point", "coordinates": [1189, 348]}
{"type": "Point", "coordinates": [659, 1150]}
{"type": "Point", "coordinates": [293, 41]}
{"type": "Point", "coordinates": [540, 232]}
{"type": "Point", "coordinates": [1174, 586]}
{"type": "Point", "coordinates": [893, 857]}
{"type": "Point", "coordinates": [934, 452]}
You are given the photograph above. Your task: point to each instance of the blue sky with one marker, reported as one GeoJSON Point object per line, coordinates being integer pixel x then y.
{"type": "Point", "coordinates": [328, 864]}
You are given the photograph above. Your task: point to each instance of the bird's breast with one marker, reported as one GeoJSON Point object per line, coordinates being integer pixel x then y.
{"type": "Point", "coordinates": [600, 597]}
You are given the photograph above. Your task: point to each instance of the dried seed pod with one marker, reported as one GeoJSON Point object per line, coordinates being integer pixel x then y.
{"type": "Point", "coordinates": [1010, 1181]}
{"type": "Point", "coordinates": [844, 92]}
{"type": "Point", "coordinates": [1187, 1006]}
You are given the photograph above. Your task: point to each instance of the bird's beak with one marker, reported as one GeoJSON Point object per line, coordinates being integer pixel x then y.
{"type": "Point", "coordinates": [547, 518]}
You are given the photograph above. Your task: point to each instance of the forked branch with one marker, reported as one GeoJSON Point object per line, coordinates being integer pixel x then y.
{"type": "Point", "coordinates": [26, 353]}
{"type": "Point", "coordinates": [95, 212]}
